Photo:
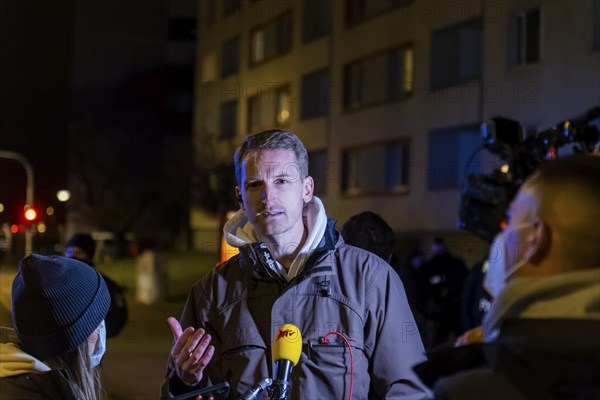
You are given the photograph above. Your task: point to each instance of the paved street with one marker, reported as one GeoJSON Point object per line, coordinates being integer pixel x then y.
{"type": "Point", "coordinates": [131, 376]}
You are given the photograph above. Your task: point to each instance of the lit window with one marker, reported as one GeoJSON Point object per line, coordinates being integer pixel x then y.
{"type": "Point", "coordinates": [209, 67]}
{"type": "Point", "coordinates": [375, 169]}
{"type": "Point", "coordinates": [270, 108]}
{"type": "Point", "coordinates": [283, 106]}
{"type": "Point", "coordinates": [383, 77]}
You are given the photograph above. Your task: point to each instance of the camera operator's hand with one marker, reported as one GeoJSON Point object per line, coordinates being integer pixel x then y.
{"type": "Point", "coordinates": [190, 353]}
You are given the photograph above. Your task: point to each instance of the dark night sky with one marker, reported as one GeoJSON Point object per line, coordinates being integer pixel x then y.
{"type": "Point", "coordinates": [36, 51]}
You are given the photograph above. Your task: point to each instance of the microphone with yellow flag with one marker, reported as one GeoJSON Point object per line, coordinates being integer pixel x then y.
{"type": "Point", "coordinates": [287, 347]}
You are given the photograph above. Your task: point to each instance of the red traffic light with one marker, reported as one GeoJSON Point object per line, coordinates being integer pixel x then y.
{"type": "Point", "coordinates": [30, 214]}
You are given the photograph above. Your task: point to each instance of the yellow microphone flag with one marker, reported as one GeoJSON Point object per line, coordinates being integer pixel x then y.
{"type": "Point", "coordinates": [287, 344]}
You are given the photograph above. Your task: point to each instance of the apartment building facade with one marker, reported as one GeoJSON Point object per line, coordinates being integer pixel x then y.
{"type": "Point", "coordinates": [388, 96]}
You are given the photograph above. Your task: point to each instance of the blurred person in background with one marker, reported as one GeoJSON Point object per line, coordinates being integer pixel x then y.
{"type": "Point", "coordinates": [82, 247]}
{"type": "Point", "coordinates": [369, 231]}
{"type": "Point", "coordinates": [483, 284]}
{"type": "Point", "coordinates": [445, 276]}
{"type": "Point", "coordinates": [59, 336]}
{"type": "Point", "coordinates": [542, 329]}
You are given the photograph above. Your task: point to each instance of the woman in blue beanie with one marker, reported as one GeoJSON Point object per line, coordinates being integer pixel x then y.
{"type": "Point", "coordinates": [58, 310]}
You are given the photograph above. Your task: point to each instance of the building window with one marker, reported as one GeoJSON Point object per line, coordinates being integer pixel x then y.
{"type": "Point", "coordinates": [209, 67]}
{"type": "Point", "coordinates": [375, 169]}
{"type": "Point", "coordinates": [230, 6]}
{"type": "Point", "coordinates": [596, 24]}
{"type": "Point", "coordinates": [360, 10]}
{"type": "Point", "coordinates": [382, 77]}
{"type": "Point", "coordinates": [524, 38]}
{"type": "Point", "coordinates": [456, 54]}
{"type": "Point", "coordinates": [315, 94]}
{"type": "Point", "coordinates": [230, 56]}
{"type": "Point", "coordinates": [282, 105]}
{"type": "Point", "coordinates": [272, 39]}
{"type": "Point", "coordinates": [182, 29]}
{"type": "Point", "coordinates": [318, 168]}
{"type": "Point", "coordinates": [209, 12]}
{"type": "Point", "coordinates": [271, 108]}
{"type": "Point", "coordinates": [254, 114]}
{"type": "Point", "coordinates": [228, 126]}
{"type": "Point", "coordinates": [316, 19]}
{"type": "Point", "coordinates": [449, 152]}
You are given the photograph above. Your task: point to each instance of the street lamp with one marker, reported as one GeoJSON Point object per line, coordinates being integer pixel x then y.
{"type": "Point", "coordinates": [11, 155]}
{"type": "Point", "coordinates": [63, 195]}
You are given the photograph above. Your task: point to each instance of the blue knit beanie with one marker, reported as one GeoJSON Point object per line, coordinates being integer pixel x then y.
{"type": "Point", "coordinates": [57, 303]}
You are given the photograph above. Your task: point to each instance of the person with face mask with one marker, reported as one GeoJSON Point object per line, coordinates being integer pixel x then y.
{"type": "Point", "coordinates": [543, 326]}
{"type": "Point", "coordinates": [82, 247]}
{"type": "Point", "coordinates": [59, 336]}
{"type": "Point", "coordinates": [483, 284]}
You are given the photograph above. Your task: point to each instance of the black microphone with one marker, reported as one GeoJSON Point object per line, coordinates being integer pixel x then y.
{"type": "Point", "coordinates": [287, 348]}
{"type": "Point", "coordinates": [252, 393]}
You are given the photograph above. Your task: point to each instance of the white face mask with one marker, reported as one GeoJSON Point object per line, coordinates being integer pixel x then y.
{"type": "Point", "coordinates": [515, 253]}
{"type": "Point", "coordinates": [495, 276]}
{"type": "Point", "coordinates": [100, 348]}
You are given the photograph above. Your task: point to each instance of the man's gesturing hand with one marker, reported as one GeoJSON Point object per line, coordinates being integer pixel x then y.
{"type": "Point", "coordinates": [190, 352]}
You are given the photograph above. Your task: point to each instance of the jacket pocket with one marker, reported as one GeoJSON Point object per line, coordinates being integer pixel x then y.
{"type": "Point", "coordinates": [328, 367]}
{"type": "Point", "coordinates": [244, 364]}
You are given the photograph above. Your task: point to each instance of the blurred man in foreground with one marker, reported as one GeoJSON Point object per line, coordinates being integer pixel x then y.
{"type": "Point", "coordinates": [544, 325]}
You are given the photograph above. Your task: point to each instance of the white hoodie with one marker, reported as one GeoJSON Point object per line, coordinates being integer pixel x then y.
{"type": "Point", "coordinates": [238, 231]}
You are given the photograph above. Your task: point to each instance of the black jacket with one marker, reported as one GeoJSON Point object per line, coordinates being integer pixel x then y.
{"type": "Point", "coordinates": [51, 385]}
{"type": "Point", "coordinates": [547, 359]}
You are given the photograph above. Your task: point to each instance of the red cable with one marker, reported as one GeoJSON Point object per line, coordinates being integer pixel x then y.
{"type": "Point", "coordinates": [351, 357]}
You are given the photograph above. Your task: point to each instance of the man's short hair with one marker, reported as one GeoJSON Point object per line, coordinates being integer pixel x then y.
{"type": "Point", "coordinates": [568, 190]}
{"type": "Point", "coordinates": [369, 231]}
{"type": "Point", "coordinates": [273, 139]}
{"type": "Point", "coordinates": [578, 171]}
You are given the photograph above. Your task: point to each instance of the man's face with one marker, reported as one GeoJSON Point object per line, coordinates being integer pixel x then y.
{"type": "Point", "coordinates": [517, 234]}
{"type": "Point", "coordinates": [76, 252]}
{"type": "Point", "coordinates": [437, 248]}
{"type": "Point", "coordinates": [274, 193]}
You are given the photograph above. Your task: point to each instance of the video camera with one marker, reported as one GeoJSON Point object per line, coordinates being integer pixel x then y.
{"type": "Point", "coordinates": [485, 197]}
